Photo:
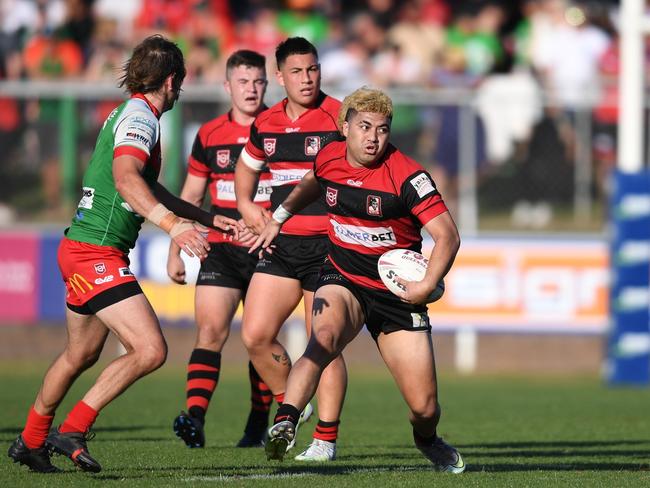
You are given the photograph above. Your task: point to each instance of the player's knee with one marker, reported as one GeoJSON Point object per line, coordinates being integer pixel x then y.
{"type": "Point", "coordinates": [323, 345]}
{"type": "Point", "coordinates": [254, 341]}
{"type": "Point", "coordinates": [81, 359]}
{"type": "Point", "coordinates": [212, 336]}
{"type": "Point", "coordinates": [425, 408]}
{"type": "Point", "coordinates": [151, 356]}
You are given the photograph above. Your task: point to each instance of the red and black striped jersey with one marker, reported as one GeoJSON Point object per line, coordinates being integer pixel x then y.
{"type": "Point", "coordinates": [214, 155]}
{"type": "Point", "coordinates": [374, 209]}
{"type": "Point", "coordinates": [288, 148]}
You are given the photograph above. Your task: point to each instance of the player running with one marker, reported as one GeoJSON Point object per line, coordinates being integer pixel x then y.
{"type": "Point", "coordinates": [224, 275]}
{"type": "Point", "coordinates": [377, 199]}
{"type": "Point", "coordinates": [119, 188]}
{"type": "Point", "coordinates": [286, 139]}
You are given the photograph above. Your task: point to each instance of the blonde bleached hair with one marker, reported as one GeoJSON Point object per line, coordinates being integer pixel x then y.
{"type": "Point", "coordinates": [365, 100]}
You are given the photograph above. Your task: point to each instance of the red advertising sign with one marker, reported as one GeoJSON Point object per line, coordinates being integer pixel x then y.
{"type": "Point", "coordinates": [19, 263]}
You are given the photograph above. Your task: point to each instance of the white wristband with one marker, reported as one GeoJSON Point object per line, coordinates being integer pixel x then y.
{"type": "Point", "coordinates": [281, 214]}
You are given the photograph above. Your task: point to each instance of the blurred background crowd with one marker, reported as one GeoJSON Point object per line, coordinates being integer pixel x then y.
{"type": "Point", "coordinates": [539, 78]}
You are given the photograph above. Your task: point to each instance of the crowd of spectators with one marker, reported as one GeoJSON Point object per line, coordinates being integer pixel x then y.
{"type": "Point", "coordinates": [510, 52]}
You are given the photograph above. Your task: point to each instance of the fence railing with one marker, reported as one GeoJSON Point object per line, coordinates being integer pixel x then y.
{"type": "Point", "coordinates": [554, 179]}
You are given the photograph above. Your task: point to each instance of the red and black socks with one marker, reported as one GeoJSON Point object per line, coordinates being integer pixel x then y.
{"type": "Point", "coordinates": [326, 431]}
{"type": "Point", "coordinates": [202, 379]}
{"type": "Point", "coordinates": [261, 399]}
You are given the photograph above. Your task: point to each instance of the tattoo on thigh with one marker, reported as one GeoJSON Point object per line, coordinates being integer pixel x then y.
{"type": "Point", "coordinates": [283, 358]}
{"type": "Point", "coordinates": [318, 306]}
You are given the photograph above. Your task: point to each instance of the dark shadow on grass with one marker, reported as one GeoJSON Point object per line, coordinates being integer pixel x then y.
{"type": "Point", "coordinates": [558, 443]}
{"type": "Point", "coordinates": [131, 439]}
{"type": "Point", "coordinates": [379, 455]}
{"type": "Point", "coordinates": [511, 467]}
{"type": "Point", "coordinates": [125, 428]}
{"type": "Point", "coordinates": [524, 444]}
{"type": "Point", "coordinates": [116, 477]}
{"type": "Point", "coordinates": [255, 471]}
{"type": "Point", "coordinates": [551, 453]}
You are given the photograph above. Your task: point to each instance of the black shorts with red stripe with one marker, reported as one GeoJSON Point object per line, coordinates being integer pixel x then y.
{"type": "Point", "coordinates": [296, 257]}
{"type": "Point", "coordinates": [383, 311]}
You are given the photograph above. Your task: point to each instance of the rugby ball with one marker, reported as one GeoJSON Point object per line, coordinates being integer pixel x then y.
{"type": "Point", "coordinates": [407, 265]}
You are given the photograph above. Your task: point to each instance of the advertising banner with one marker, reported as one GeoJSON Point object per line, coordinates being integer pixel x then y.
{"type": "Point", "coordinates": [526, 286]}
{"type": "Point", "coordinates": [19, 277]}
{"type": "Point", "coordinates": [508, 285]}
{"type": "Point", "coordinates": [629, 340]}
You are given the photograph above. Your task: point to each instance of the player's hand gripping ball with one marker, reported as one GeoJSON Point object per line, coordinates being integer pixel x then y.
{"type": "Point", "coordinates": [407, 265]}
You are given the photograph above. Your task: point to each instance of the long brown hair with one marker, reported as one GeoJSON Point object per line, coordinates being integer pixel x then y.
{"type": "Point", "coordinates": [152, 61]}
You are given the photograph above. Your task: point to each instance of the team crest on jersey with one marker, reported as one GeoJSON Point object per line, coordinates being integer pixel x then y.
{"type": "Point", "coordinates": [269, 146]}
{"type": "Point", "coordinates": [373, 205]}
{"type": "Point", "coordinates": [100, 268]}
{"type": "Point", "coordinates": [312, 145]}
{"type": "Point", "coordinates": [331, 195]}
{"type": "Point", "coordinates": [223, 158]}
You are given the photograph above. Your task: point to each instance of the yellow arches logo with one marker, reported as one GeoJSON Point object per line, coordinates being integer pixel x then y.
{"type": "Point", "coordinates": [79, 284]}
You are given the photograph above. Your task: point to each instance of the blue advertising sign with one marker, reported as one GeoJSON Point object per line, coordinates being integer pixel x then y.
{"type": "Point", "coordinates": [629, 340]}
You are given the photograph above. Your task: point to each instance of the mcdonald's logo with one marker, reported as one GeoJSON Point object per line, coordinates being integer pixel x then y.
{"type": "Point", "coordinates": [79, 284]}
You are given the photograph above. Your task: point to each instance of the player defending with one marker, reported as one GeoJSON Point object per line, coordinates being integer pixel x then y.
{"type": "Point", "coordinates": [224, 275]}
{"type": "Point", "coordinates": [377, 199]}
{"type": "Point", "coordinates": [286, 138]}
{"type": "Point", "coordinates": [102, 293]}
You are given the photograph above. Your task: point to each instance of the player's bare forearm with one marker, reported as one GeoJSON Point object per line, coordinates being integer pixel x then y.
{"type": "Point", "coordinates": [444, 232]}
{"type": "Point", "coordinates": [131, 185]}
{"type": "Point", "coordinates": [305, 192]}
{"type": "Point", "coordinates": [246, 181]}
{"type": "Point", "coordinates": [127, 174]}
{"type": "Point", "coordinates": [193, 190]}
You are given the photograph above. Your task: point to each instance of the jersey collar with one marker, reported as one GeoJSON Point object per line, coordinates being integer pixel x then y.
{"type": "Point", "coordinates": [317, 104]}
{"type": "Point", "coordinates": [141, 96]}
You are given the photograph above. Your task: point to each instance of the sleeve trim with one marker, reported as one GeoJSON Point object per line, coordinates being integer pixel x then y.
{"type": "Point", "coordinates": [253, 163]}
{"type": "Point", "coordinates": [127, 150]}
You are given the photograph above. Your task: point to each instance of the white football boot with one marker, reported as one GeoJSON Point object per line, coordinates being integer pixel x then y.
{"type": "Point", "coordinates": [305, 415]}
{"type": "Point", "coordinates": [444, 457]}
{"type": "Point", "coordinates": [318, 451]}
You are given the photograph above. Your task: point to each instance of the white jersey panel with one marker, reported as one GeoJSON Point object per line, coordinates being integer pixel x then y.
{"type": "Point", "coordinates": [137, 126]}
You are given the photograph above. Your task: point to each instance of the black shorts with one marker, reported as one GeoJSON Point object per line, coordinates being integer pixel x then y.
{"type": "Point", "coordinates": [296, 257]}
{"type": "Point", "coordinates": [383, 311]}
{"type": "Point", "coordinates": [228, 266]}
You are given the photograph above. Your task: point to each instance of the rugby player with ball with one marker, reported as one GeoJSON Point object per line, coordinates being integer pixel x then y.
{"type": "Point", "coordinates": [378, 200]}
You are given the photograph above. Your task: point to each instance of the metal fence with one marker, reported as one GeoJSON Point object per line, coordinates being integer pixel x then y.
{"type": "Point", "coordinates": [553, 178]}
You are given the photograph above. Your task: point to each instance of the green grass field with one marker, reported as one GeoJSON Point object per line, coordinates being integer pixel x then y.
{"type": "Point", "coordinates": [512, 433]}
